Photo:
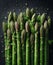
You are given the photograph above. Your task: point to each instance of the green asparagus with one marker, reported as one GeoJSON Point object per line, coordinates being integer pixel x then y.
{"type": "Point", "coordinates": [36, 45]}
{"type": "Point", "coordinates": [46, 45]}
{"type": "Point", "coordinates": [27, 44]}
{"type": "Point", "coordinates": [42, 41]}
{"type": "Point", "coordinates": [23, 41]}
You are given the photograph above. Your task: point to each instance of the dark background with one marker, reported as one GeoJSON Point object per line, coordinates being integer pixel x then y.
{"type": "Point", "coordinates": [20, 5]}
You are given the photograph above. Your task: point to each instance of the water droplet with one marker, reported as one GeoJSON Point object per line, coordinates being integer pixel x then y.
{"type": "Point", "coordinates": [5, 17]}
{"type": "Point", "coordinates": [19, 9]}
{"type": "Point", "coordinates": [1, 36]}
{"type": "Point", "coordinates": [1, 41]}
{"type": "Point", "coordinates": [26, 4]}
{"type": "Point", "coordinates": [13, 10]}
{"type": "Point", "coordinates": [2, 45]}
{"type": "Point", "coordinates": [1, 51]}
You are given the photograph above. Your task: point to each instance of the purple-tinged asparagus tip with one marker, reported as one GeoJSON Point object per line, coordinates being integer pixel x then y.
{"type": "Point", "coordinates": [16, 26]}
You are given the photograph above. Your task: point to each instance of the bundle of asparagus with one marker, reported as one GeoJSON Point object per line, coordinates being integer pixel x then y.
{"type": "Point", "coordinates": [26, 38]}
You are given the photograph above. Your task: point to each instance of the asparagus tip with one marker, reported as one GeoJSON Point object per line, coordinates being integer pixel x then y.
{"type": "Point", "coordinates": [41, 31]}
{"type": "Point", "coordinates": [8, 33]}
{"type": "Point", "coordinates": [36, 26]}
{"type": "Point", "coordinates": [27, 26]}
{"type": "Point", "coordinates": [16, 26]}
{"type": "Point", "coordinates": [45, 25]}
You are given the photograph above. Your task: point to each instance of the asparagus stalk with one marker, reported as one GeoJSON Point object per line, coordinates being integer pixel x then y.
{"type": "Point", "coordinates": [27, 44]}
{"type": "Point", "coordinates": [46, 45]}
{"type": "Point", "coordinates": [42, 41]}
{"type": "Point", "coordinates": [19, 51]}
{"type": "Point", "coordinates": [13, 49]}
{"type": "Point", "coordinates": [8, 61]}
{"type": "Point", "coordinates": [23, 41]}
{"type": "Point", "coordinates": [36, 46]}
{"type": "Point", "coordinates": [32, 48]}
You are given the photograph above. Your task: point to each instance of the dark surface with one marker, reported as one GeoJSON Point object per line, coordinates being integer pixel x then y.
{"type": "Point", "coordinates": [20, 5]}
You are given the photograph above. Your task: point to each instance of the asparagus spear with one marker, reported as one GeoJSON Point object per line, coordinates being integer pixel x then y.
{"type": "Point", "coordinates": [42, 41]}
{"type": "Point", "coordinates": [23, 41]}
{"type": "Point", "coordinates": [27, 44]}
{"type": "Point", "coordinates": [18, 40]}
{"type": "Point", "coordinates": [32, 48]}
{"type": "Point", "coordinates": [36, 46]}
{"type": "Point", "coordinates": [46, 45]}
{"type": "Point", "coordinates": [8, 46]}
